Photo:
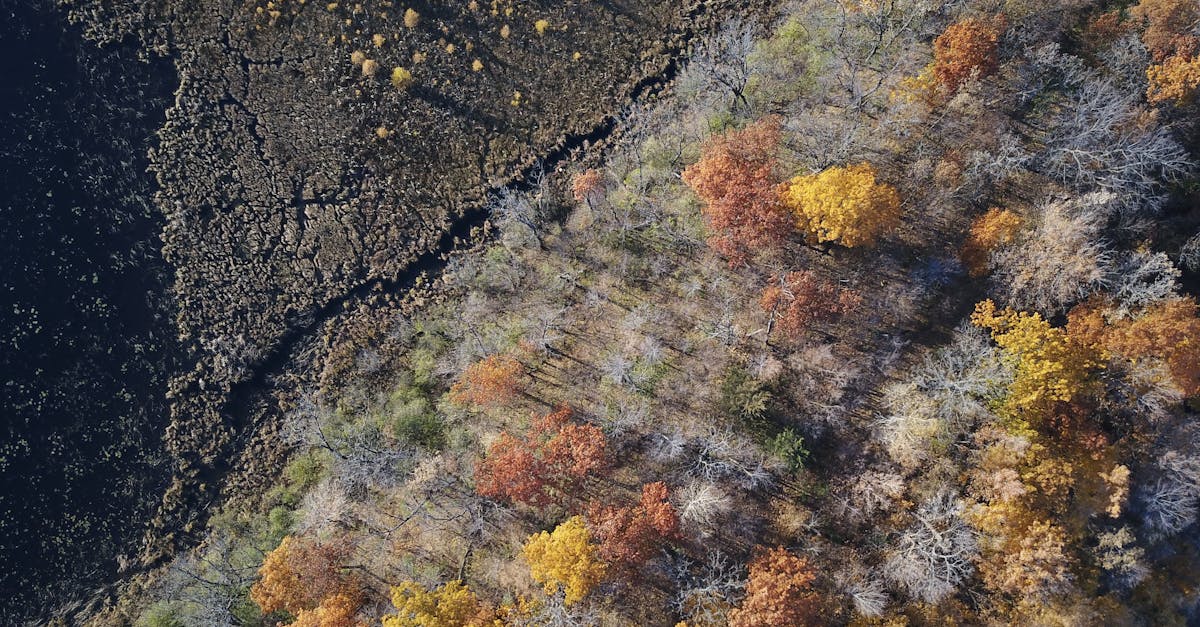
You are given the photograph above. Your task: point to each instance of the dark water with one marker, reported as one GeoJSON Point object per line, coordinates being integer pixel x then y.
{"type": "Point", "coordinates": [85, 340]}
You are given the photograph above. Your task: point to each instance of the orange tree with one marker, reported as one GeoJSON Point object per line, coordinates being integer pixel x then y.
{"type": "Point", "coordinates": [966, 49]}
{"type": "Point", "coordinates": [338, 610]}
{"type": "Point", "coordinates": [303, 572]}
{"type": "Point", "coordinates": [778, 592]}
{"type": "Point", "coordinates": [545, 464]}
{"type": "Point", "coordinates": [988, 232]}
{"type": "Point", "coordinates": [1168, 331]}
{"type": "Point", "coordinates": [736, 179]}
{"type": "Point", "coordinates": [493, 380]}
{"type": "Point", "coordinates": [843, 204]}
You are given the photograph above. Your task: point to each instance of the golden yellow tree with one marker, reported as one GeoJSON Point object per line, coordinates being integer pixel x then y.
{"type": "Point", "coordinates": [566, 559]}
{"type": "Point", "coordinates": [988, 232]}
{"type": "Point", "coordinates": [843, 204]}
{"type": "Point", "coordinates": [1175, 79]}
{"type": "Point", "coordinates": [1050, 365]}
{"type": "Point", "coordinates": [451, 605]}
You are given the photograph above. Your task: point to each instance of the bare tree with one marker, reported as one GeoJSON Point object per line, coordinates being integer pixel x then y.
{"type": "Point", "coordinates": [1061, 260]}
{"type": "Point", "coordinates": [706, 592]}
{"type": "Point", "coordinates": [1141, 278]}
{"type": "Point", "coordinates": [1094, 140]}
{"type": "Point", "coordinates": [721, 63]}
{"type": "Point", "coordinates": [702, 503]}
{"type": "Point", "coordinates": [934, 555]}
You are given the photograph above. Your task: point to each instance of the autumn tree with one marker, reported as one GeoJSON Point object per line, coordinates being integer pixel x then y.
{"type": "Point", "coordinates": [301, 573]}
{"type": "Point", "coordinates": [778, 592]}
{"type": "Point", "coordinates": [544, 465]}
{"type": "Point", "coordinates": [1174, 80]}
{"type": "Point", "coordinates": [588, 186]}
{"type": "Point", "coordinates": [1050, 365]}
{"type": "Point", "coordinates": [493, 380]}
{"type": "Point", "coordinates": [736, 180]}
{"type": "Point", "coordinates": [1166, 24]}
{"type": "Point", "coordinates": [338, 610]}
{"type": "Point", "coordinates": [1168, 332]}
{"type": "Point", "coordinates": [998, 227]}
{"type": "Point", "coordinates": [843, 204]}
{"type": "Point", "coordinates": [966, 50]}
{"type": "Point", "coordinates": [798, 299]}
{"type": "Point", "coordinates": [451, 605]}
{"type": "Point", "coordinates": [629, 536]}
{"type": "Point", "coordinates": [1026, 556]}
{"type": "Point", "coordinates": [565, 559]}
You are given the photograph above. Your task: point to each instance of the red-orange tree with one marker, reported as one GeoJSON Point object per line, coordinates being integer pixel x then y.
{"type": "Point", "coordinates": [736, 178]}
{"type": "Point", "coordinates": [778, 592]}
{"type": "Point", "coordinates": [799, 299]}
{"type": "Point", "coordinates": [545, 464]}
{"type": "Point", "coordinates": [303, 572]}
{"type": "Point", "coordinates": [966, 49]}
{"type": "Point", "coordinates": [493, 380]}
{"type": "Point", "coordinates": [629, 536]}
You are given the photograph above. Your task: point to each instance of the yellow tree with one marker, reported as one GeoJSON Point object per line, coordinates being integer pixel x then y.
{"type": "Point", "coordinates": [1050, 365]}
{"type": "Point", "coordinates": [843, 204]}
{"type": "Point", "coordinates": [1175, 79]}
{"type": "Point", "coordinates": [451, 605]}
{"type": "Point", "coordinates": [565, 559]}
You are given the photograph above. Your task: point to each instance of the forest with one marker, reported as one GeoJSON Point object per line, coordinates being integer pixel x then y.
{"type": "Point", "coordinates": [880, 312]}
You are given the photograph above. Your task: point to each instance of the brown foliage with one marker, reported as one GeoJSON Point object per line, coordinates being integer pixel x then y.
{"type": "Point", "coordinates": [301, 573]}
{"type": "Point", "coordinates": [1165, 22]}
{"type": "Point", "coordinates": [587, 186]}
{"type": "Point", "coordinates": [544, 465]}
{"type": "Point", "coordinates": [778, 592]}
{"type": "Point", "coordinates": [736, 179]}
{"type": "Point", "coordinates": [628, 536]}
{"type": "Point", "coordinates": [1169, 331]}
{"type": "Point", "coordinates": [1104, 29]}
{"type": "Point", "coordinates": [966, 50]}
{"type": "Point", "coordinates": [493, 380]}
{"type": "Point", "coordinates": [798, 299]}
{"type": "Point", "coordinates": [338, 610]}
